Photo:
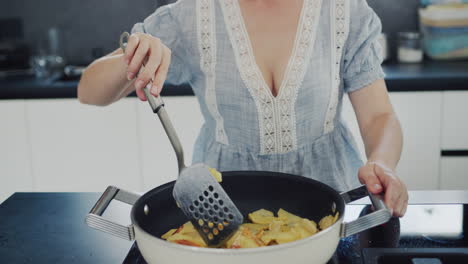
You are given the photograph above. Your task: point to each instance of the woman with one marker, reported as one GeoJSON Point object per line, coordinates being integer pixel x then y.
{"type": "Point", "coordinates": [270, 76]}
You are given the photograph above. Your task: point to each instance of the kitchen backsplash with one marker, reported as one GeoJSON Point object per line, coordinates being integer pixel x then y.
{"type": "Point", "coordinates": [91, 26]}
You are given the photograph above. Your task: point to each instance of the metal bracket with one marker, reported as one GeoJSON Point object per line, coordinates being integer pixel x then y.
{"type": "Point", "coordinates": [380, 216]}
{"type": "Point", "coordinates": [95, 220]}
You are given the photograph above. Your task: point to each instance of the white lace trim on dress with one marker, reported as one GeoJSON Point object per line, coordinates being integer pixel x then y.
{"type": "Point", "coordinates": [206, 28]}
{"type": "Point", "coordinates": [339, 21]}
{"type": "Point", "coordinates": [276, 115]}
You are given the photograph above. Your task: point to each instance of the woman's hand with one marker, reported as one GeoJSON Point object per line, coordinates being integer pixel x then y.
{"type": "Point", "coordinates": [379, 179]}
{"type": "Point", "coordinates": [156, 57]}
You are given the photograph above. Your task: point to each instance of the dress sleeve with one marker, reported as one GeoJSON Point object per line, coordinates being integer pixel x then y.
{"type": "Point", "coordinates": [363, 52]}
{"type": "Point", "coordinates": [165, 26]}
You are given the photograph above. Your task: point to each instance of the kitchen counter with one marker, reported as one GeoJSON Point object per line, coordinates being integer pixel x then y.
{"type": "Point", "coordinates": [50, 228]}
{"type": "Point", "coordinates": [429, 76]}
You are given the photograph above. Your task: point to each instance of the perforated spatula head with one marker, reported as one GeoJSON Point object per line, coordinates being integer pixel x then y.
{"type": "Point", "coordinates": [206, 204]}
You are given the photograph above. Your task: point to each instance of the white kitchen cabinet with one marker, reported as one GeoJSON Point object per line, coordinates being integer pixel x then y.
{"type": "Point", "coordinates": [159, 163]}
{"type": "Point", "coordinates": [455, 120]}
{"type": "Point", "coordinates": [454, 173]}
{"type": "Point", "coordinates": [420, 117]}
{"type": "Point", "coordinates": [15, 158]}
{"type": "Point", "coordinates": [62, 145]}
{"type": "Point", "coordinates": [75, 147]}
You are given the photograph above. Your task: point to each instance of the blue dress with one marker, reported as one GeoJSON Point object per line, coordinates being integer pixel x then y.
{"type": "Point", "coordinates": [300, 131]}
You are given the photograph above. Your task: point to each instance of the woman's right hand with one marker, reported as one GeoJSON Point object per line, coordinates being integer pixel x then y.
{"type": "Point", "coordinates": [148, 51]}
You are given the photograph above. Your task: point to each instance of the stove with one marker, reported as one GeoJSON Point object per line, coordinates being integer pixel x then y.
{"type": "Point", "coordinates": [428, 234]}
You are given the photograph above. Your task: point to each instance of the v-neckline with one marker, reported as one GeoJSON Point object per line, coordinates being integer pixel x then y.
{"type": "Point", "coordinates": [292, 56]}
{"type": "Point", "coordinates": [276, 115]}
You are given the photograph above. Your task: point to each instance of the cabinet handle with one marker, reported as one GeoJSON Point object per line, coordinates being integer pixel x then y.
{"type": "Point", "coordinates": [454, 153]}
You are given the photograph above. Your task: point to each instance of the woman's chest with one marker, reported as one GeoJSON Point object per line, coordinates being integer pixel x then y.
{"type": "Point", "coordinates": [271, 29]}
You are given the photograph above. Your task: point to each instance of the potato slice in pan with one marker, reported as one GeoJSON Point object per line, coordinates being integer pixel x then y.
{"type": "Point", "coordinates": [328, 221]}
{"type": "Point", "coordinates": [280, 237]}
{"type": "Point", "coordinates": [309, 226]}
{"type": "Point", "coordinates": [168, 234]}
{"type": "Point", "coordinates": [265, 230]}
{"type": "Point", "coordinates": [234, 238]}
{"type": "Point", "coordinates": [262, 216]}
{"type": "Point", "coordinates": [190, 239]}
{"type": "Point", "coordinates": [275, 226]}
{"type": "Point", "coordinates": [287, 217]}
{"type": "Point", "coordinates": [255, 228]}
{"type": "Point", "coordinates": [216, 174]}
{"type": "Point", "coordinates": [244, 238]}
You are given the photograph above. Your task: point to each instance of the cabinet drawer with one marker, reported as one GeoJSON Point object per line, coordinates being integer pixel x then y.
{"type": "Point", "coordinates": [454, 172]}
{"type": "Point", "coordinates": [15, 158]}
{"type": "Point", "coordinates": [454, 120]}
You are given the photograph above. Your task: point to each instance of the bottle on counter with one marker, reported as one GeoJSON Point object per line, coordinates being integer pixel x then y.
{"type": "Point", "coordinates": [410, 47]}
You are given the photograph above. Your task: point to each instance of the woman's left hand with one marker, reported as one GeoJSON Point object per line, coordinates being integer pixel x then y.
{"type": "Point", "coordinates": [379, 179]}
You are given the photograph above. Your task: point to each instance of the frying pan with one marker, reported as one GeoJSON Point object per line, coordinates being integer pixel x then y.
{"type": "Point", "coordinates": [156, 212]}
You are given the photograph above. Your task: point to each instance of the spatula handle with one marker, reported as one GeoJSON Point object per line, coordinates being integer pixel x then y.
{"type": "Point", "coordinates": [157, 105]}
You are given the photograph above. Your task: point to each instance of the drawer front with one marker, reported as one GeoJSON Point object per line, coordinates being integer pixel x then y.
{"type": "Point", "coordinates": [454, 172]}
{"type": "Point", "coordinates": [455, 120]}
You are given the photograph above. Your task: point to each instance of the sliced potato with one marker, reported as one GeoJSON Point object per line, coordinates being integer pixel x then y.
{"type": "Point", "coordinates": [245, 239]}
{"type": "Point", "coordinates": [255, 228]}
{"type": "Point", "coordinates": [216, 174]}
{"type": "Point", "coordinates": [234, 238]}
{"type": "Point", "coordinates": [337, 215]}
{"type": "Point", "coordinates": [268, 237]}
{"type": "Point", "coordinates": [262, 216]}
{"type": "Point", "coordinates": [287, 217]}
{"type": "Point", "coordinates": [309, 225]}
{"type": "Point", "coordinates": [280, 237]}
{"type": "Point", "coordinates": [265, 230]}
{"type": "Point", "coordinates": [285, 237]}
{"type": "Point", "coordinates": [328, 221]}
{"type": "Point", "coordinates": [190, 238]}
{"type": "Point", "coordinates": [275, 226]}
{"type": "Point", "coordinates": [249, 240]}
{"type": "Point", "coordinates": [168, 234]}
{"type": "Point", "coordinates": [187, 228]}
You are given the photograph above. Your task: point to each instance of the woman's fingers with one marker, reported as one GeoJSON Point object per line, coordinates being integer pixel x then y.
{"type": "Point", "coordinates": [391, 199]}
{"type": "Point", "coordinates": [368, 177]}
{"type": "Point", "coordinates": [131, 47]}
{"type": "Point", "coordinates": [396, 195]}
{"type": "Point", "coordinates": [137, 60]}
{"type": "Point", "coordinates": [141, 95]}
{"type": "Point", "coordinates": [154, 60]}
{"type": "Point", "coordinates": [161, 73]}
{"type": "Point", "coordinates": [145, 50]}
{"type": "Point", "coordinates": [402, 203]}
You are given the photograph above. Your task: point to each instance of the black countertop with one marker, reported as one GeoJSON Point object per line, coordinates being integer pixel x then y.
{"type": "Point", "coordinates": [429, 76]}
{"type": "Point", "coordinates": [50, 228]}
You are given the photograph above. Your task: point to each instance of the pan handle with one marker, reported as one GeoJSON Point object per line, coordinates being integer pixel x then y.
{"type": "Point", "coordinates": [95, 220]}
{"type": "Point", "coordinates": [380, 215]}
